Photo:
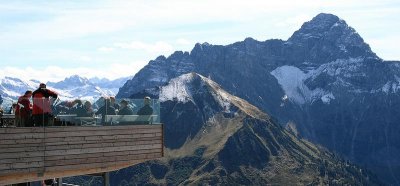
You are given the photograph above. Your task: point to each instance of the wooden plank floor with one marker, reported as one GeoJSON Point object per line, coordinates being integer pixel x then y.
{"type": "Point", "coordinates": [32, 154]}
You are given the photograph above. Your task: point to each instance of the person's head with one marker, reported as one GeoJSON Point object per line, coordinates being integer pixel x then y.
{"type": "Point", "coordinates": [78, 102]}
{"type": "Point", "coordinates": [112, 99]}
{"type": "Point", "coordinates": [28, 93]}
{"type": "Point", "coordinates": [147, 100]}
{"type": "Point", "coordinates": [42, 85]}
{"type": "Point", "coordinates": [124, 103]}
{"type": "Point", "coordinates": [88, 104]}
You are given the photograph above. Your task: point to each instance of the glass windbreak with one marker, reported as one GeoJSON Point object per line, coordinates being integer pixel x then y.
{"type": "Point", "coordinates": [106, 111]}
{"type": "Point", "coordinates": [41, 112]}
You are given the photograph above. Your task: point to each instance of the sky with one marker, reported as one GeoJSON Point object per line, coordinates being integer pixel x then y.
{"type": "Point", "coordinates": [50, 40]}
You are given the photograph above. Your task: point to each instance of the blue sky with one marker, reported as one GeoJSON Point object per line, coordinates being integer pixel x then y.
{"type": "Point", "coordinates": [49, 40]}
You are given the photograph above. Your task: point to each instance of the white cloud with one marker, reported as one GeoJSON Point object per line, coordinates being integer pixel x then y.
{"type": "Point", "coordinates": [106, 49]}
{"type": "Point", "coordinates": [182, 41]}
{"type": "Point", "coordinates": [85, 58]}
{"type": "Point", "coordinates": [72, 20]}
{"type": "Point", "coordinates": [294, 21]}
{"type": "Point", "coordinates": [159, 47]}
{"type": "Point", "coordinates": [75, 27]}
{"type": "Point", "coordinates": [56, 73]}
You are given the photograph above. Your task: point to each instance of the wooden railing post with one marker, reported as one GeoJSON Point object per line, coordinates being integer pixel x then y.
{"type": "Point", "coordinates": [106, 179]}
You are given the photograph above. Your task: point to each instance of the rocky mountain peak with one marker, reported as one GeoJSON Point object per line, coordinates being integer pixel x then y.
{"type": "Point", "coordinates": [319, 26]}
{"type": "Point", "coordinates": [327, 37]}
{"type": "Point", "coordinates": [192, 86]}
{"type": "Point", "coordinates": [322, 22]}
{"type": "Point", "coordinates": [77, 78]}
{"type": "Point", "coordinates": [74, 80]}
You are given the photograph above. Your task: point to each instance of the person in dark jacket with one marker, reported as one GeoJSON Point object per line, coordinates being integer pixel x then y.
{"type": "Point", "coordinates": [77, 108]}
{"type": "Point", "coordinates": [42, 100]}
{"type": "Point", "coordinates": [145, 112]}
{"type": "Point", "coordinates": [23, 110]}
{"type": "Point", "coordinates": [146, 109]}
{"type": "Point", "coordinates": [113, 103]}
{"type": "Point", "coordinates": [106, 109]}
{"type": "Point", "coordinates": [86, 110]}
{"type": "Point", "coordinates": [125, 109]}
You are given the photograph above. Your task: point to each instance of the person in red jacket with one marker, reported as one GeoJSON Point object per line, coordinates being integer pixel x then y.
{"type": "Point", "coordinates": [23, 110]}
{"type": "Point", "coordinates": [42, 101]}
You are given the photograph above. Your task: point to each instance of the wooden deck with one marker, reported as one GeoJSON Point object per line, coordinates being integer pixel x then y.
{"type": "Point", "coordinates": [32, 154]}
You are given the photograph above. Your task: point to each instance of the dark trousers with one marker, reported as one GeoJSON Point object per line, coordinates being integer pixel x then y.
{"type": "Point", "coordinates": [23, 121]}
{"type": "Point", "coordinates": [41, 120]}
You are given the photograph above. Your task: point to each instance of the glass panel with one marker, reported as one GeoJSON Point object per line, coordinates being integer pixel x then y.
{"type": "Point", "coordinates": [137, 111]}
{"type": "Point", "coordinates": [105, 111]}
{"type": "Point", "coordinates": [42, 112]}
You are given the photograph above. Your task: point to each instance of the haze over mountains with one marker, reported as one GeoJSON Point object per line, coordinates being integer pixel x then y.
{"type": "Point", "coordinates": [324, 82]}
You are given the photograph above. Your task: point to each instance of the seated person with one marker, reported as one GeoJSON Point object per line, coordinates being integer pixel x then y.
{"type": "Point", "coordinates": [106, 109]}
{"type": "Point", "coordinates": [85, 111]}
{"type": "Point", "coordinates": [125, 109]}
{"type": "Point", "coordinates": [145, 112]}
{"type": "Point", "coordinates": [146, 109]}
{"type": "Point", "coordinates": [12, 108]}
{"type": "Point", "coordinates": [76, 107]}
{"type": "Point", "coordinates": [113, 103]}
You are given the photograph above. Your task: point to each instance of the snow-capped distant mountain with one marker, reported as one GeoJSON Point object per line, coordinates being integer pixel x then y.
{"type": "Point", "coordinates": [11, 88]}
{"type": "Point", "coordinates": [112, 85]}
{"type": "Point", "coordinates": [70, 88]}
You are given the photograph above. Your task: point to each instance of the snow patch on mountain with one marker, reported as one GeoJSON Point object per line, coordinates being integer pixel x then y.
{"type": "Point", "coordinates": [292, 80]}
{"type": "Point", "coordinates": [327, 98]}
{"type": "Point", "coordinates": [341, 67]}
{"type": "Point", "coordinates": [177, 89]}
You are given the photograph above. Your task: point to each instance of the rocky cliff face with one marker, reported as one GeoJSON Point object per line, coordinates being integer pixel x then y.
{"type": "Point", "coordinates": [213, 137]}
{"type": "Point", "coordinates": [324, 80]}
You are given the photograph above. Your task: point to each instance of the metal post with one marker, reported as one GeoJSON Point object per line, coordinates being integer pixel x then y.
{"type": "Point", "coordinates": [106, 178]}
{"type": "Point", "coordinates": [59, 181]}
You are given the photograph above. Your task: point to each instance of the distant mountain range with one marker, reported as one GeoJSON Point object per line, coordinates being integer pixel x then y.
{"type": "Point", "coordinates": [324, 83]}
{"type": "Point", "coordinates": [70, 88]}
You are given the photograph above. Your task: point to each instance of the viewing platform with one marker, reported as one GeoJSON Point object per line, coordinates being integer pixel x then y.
{"type": "Point", "coordinates": [70, 145]}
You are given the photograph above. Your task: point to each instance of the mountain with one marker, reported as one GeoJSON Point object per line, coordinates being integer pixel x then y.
{"type": "Point", "coordinates": [324, 81]}
{"type": "Point", "coordinates": [81, 87]}
{"type": "Point", "coordinates": [70, 88]}
{"type": "Point", "coordinates": [11, 88]}
{"type": "Point", "coordinates": [112, 85]}
{"type": "Point", "coordinates": [213, 137]}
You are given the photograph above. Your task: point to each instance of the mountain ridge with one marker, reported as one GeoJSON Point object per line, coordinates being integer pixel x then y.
{"type": "Point", "coordinates": [332, 94]}
{"type": "Point", "coordinates": [213, 137]}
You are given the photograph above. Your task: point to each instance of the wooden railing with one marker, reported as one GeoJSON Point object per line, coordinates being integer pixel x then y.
{"type": "Point", "coordinates": [37, 153]}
